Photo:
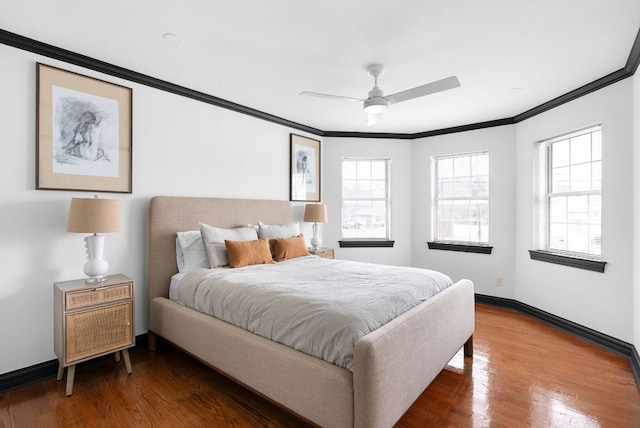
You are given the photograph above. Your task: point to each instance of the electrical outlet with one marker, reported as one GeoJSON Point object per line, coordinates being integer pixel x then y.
{"type": "Point", "coordinates": [498, 281]}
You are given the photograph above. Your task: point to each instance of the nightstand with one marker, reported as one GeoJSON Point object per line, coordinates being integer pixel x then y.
{"type": "Point", "coordinates": [324, 252]}
{"type": "Point", "coordinates": [91, 320]}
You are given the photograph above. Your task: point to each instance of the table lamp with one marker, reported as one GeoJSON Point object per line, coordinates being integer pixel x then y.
{"type": "Point", "coordinates": [316, 213]}
{"type": "Point", "coordinates": [95, 216]}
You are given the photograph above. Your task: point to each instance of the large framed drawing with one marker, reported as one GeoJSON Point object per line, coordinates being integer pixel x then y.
{"type": "Point", "coordinates": [83, 134]}
{"type": "Point", "coordinates": [305, 169]}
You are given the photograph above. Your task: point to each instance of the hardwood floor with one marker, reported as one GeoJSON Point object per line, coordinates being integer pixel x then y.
{"type": "Point", "coordinates": [523, 373]}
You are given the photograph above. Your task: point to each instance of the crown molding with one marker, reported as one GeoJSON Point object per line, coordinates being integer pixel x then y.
{"type": "Point", "coordinates": [40, 48]}
{"type": "Point", "coordinates": [634, 56]}
{"type": "Point", "coordinates": [452, 130]}
{"type": "Point", "coordinates": [27, 44]}
{"type": "Point", "coordinates": [607, 80]}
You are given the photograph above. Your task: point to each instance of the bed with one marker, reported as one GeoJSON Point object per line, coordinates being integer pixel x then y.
{"type": "Point", "coordinates": [391, 366]}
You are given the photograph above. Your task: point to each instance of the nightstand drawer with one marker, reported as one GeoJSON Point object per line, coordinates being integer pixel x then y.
{"type": "Point", "coordinates": [98, 331]}
{"type": "Point", "coordinates": [98, 295]}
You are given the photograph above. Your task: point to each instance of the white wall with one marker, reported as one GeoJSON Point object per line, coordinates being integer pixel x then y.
{"type": "Point", "coordinates": [601, 301]}
{"type": "Point", "coordinates": [183, 147]}
{"type": "Point", "coordinates": [482, 269]}
{"type": "Point", "coordinates": [180, 147]}
{"type": "Point", "coordinates": [399, 151]}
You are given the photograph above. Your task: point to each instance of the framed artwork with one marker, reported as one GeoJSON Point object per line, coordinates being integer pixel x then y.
{"type": "Point", "coordinates": [305, 169]}
{"type": "Point", "coordinates": [83, 133]}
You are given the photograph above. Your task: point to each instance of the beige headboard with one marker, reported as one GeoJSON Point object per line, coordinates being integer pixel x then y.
{"type": "Point", "coordinates": [170, 214]}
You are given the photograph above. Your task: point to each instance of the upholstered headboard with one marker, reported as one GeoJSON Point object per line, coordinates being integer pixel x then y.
{"type": "Point", "coordinates": [169, 214]}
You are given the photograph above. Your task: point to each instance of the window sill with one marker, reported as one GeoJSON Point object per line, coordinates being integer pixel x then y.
{"type": "Point", "coordinates": [464, 247]}
{"type": "Point", "coordinates": [576, 262]}
{"type": "Point", "coordinates": [366, 243]}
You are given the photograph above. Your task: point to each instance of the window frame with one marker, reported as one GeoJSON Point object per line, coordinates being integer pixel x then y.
{"type": "Point", "coordinates": [545, 252]}
{"type": "Point", "coordinates": [367, 242]}
{"type": "Point", "coordinates": [480, 247]}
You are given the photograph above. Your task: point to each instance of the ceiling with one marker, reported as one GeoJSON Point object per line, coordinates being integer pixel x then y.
{"type": "Point", "coordinates": [509, 55]}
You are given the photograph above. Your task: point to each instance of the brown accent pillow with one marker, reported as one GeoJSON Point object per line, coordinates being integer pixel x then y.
{"type": "Point", "coordinates": [288, 248]}
{"type": "Point", "coordinates": [245, 253]}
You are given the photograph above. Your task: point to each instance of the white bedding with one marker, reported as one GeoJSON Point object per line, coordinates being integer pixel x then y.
{"type": "Point", "coordinates": [174, 284]}
{"type": "Point", "coordinates": [315, 305]}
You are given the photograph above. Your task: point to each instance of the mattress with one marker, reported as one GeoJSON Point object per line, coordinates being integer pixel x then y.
{"type": "Point", "coordinates": [315, 305]}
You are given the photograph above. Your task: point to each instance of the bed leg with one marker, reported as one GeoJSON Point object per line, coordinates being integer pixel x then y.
{"type": "Point", "coordinates": [468, 347]}
{"type": "Point", "coordinates": [152, 341]}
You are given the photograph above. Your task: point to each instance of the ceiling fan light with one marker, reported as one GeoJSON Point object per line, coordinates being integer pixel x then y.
{"type": "Point", "coordinates": [376, 105]}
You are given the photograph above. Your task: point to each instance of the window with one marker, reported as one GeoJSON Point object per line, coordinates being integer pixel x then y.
{"type": "Point", "coordinates": [366, 202]}
{"type": "Point", "coordinates": [461, 198]}
{"type": "Point", "coordinates": [570, 202]}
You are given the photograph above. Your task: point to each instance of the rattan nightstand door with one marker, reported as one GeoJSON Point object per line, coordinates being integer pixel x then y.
{"type": "Point", "coordinates": [94, 332]}
{"type": "Point", "coordinates": [91, 320]}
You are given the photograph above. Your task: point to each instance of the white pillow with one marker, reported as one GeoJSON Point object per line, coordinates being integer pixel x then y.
{"type": "Point", "coordinates": [190, 252]}
{"type": "Point", "coordinates": [214, 238]}
{"type": "Point", "coordinates": [267, 231]}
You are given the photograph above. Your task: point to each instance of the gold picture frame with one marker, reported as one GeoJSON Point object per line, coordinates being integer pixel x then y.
{"type": "Point", "coordinates": [304, 169]}
{"type": "Point", "coordinates": [83, 133]}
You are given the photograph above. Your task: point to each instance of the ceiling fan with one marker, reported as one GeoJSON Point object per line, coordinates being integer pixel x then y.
{"type": "Point", "coordinates": [377, 103]}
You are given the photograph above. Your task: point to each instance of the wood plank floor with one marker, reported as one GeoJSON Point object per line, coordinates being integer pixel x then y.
{"type": "Point", "coordinates": [523, 373]}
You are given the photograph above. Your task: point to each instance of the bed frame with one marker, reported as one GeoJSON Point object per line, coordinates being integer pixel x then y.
{"type": "Point", "coordinates": [392, 365]}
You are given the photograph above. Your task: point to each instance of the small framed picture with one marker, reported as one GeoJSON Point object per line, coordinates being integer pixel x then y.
{"type": "Point", "coordinates": [83, 134]}
{"type": "Point", "coordinates": [305, 169]}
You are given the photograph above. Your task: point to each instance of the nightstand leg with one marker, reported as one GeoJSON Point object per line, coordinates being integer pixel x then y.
{"type": "Point", "coordinates": [117, 356]}
{"type": "Point", "coordinates": [71, 372]}
{"type": "Point", "coordinates": [127, 361]}
{"type": "Point", "coordinates": [60, 371]}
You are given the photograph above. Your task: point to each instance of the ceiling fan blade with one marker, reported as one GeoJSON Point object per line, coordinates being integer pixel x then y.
{"type": "Point", "coordinates": [331, 97]}
{"type": "Point", "coordinates": [420, 91]}
{"type": "Point", "coordinates": [374, 118]}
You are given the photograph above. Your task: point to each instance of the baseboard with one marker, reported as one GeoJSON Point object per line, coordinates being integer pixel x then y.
{"type": "Point", "coordinates": [635, 365]}
{"type": "Point", "coordinates": [607, 342]}
{"type": "Point", "coordinates": [43, 371]}
{"type": "Point", "coordinates": [49, 369]}
{"type": "Point", "coordinates": [27, 376]}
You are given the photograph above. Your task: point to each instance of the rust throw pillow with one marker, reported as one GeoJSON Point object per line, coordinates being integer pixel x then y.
{"type": "Point", "coordinates": [288, 248]}
{"type": "Point", "coordinates": [245, 253]}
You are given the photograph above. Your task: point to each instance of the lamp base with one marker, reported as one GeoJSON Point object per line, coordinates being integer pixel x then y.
{"type": "Point", "coordinates": [316, 242]}
{"type": "Point", "coordinates": [96, 267]}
